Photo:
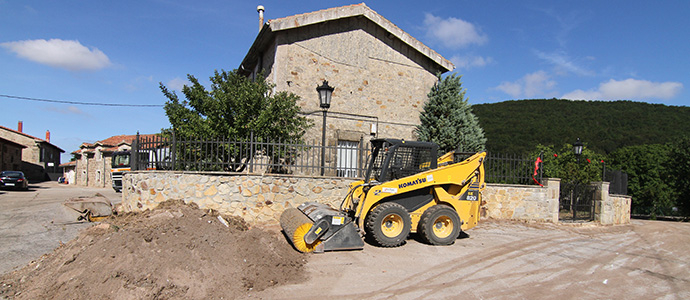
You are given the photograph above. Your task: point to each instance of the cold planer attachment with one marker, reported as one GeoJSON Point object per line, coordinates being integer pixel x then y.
{"type": "Point", "coordinates": [315, 227]}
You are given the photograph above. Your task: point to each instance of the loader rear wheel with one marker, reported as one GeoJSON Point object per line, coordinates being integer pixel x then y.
{"type": "Point", "coordinates": [439, 225]}
{"type": "Point", "coordinates": [388, 224]}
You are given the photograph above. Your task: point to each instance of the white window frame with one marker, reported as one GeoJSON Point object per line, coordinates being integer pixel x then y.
{"type": "Point", "coordinates": [347, 158]}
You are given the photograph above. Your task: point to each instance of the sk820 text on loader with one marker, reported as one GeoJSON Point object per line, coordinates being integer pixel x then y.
{"type": "Point", "coordinates": [405, 189]}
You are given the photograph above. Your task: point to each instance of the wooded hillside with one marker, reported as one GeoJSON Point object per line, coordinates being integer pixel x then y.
{"type": "Point", "coordinates": [604, 126]}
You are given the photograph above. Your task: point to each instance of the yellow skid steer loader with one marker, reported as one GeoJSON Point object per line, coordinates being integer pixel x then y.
{"type": "Point", "coordinates": [405, 189]}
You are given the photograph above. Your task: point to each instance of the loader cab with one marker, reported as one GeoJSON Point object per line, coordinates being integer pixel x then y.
{"type": "Point", "coordinates": [392, 159]}
{"type": "Point", "coordinates": [120, 160]}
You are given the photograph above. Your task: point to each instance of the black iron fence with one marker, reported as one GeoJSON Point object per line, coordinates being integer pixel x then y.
{"type": "Point", "coordinates": [251, 154]}
{"type": "Point", "coordinates": [256, 155]}
{"type": "Point", "coordinates": [618, 181]}
{"type": "Point", "coordinates": [512, 169]}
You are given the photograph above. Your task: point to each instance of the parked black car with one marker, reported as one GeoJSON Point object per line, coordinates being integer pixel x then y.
{"type": "Point", "coordinates": [13, 180]}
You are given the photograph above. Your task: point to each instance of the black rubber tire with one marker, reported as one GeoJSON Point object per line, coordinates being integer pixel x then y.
{"type": "Point", "coordinates": [445, 216]}
{"type": "Point", "coordinates": [374, 224]}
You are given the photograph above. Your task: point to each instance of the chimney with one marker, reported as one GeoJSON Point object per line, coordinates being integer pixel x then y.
{"type": "Point", "coordinates": [20, 126]}
{"type": "Point", "coordinates": [48, 136]}
{"type": "Point", "coordinates": [260, 9]}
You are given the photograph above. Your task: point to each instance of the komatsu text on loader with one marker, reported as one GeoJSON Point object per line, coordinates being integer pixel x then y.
{"type": "Point", "coordinates": [405, 189]}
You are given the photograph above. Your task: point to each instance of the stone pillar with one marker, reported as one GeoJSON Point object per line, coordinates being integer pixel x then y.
{"type": "Point", "coordinates": [603, 208]}
{"type": "Point", "coordinates": [621, 204]}
{"type": "Point", "coordinates": [553, 194]}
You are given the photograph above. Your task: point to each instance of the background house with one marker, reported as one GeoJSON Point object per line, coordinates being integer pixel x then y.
{"type": "Point", "coordinates": [93, 161]}
{"type": "Point", "coordinates": [69, 172]}
{"type": "Point", "coordinates": [11, 155]}
{"type": "Point", "coordinates": [40, 159]}
{"type": "Point", "coordinates": [380, 73]}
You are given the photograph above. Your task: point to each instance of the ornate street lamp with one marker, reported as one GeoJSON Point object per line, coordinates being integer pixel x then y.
{"type": "Point", "coordinates": [577, 149]}
{"type": "Point", "coordinates": [325, 92]}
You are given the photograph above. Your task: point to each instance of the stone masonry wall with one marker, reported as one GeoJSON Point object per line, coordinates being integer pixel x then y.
{"type": "Point", "coordinates": [260, 199]}
{"type": "Point", "coordinates": [375, 76]}
{"type": "Point", "coordinates": [31, 153]}
{"type": "Point", "coordinates": [255, 198]}
{"type": "Point", "coordinates": [522, 202]}
{"type": "Point", "coordinates": [610, 209]}
{"type": "Point", "coordinates": [10, 156]}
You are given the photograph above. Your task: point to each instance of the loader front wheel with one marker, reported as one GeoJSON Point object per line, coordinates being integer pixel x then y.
{"type": "Point", "coordinates": [388, 224]}
{"type": "Point", "coordinates": [439, 225]}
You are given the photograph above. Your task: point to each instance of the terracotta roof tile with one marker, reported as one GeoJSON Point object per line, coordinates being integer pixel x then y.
{"type": "Point", "coordinates": [110, 144]}
{"type": "Point", "coordinates": [69, 164]}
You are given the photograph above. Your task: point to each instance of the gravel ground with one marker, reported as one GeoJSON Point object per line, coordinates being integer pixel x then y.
{"type": "Point", "coordinates": [512, 260]}
{"type": "Point", "coordinates": [497, 260]}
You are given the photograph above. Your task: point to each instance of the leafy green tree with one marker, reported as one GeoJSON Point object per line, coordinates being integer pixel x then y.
{"type": "Point", "coordinates": [562, 163]}
{"type": "Point", "coordinates": [447, 118]}
{"type": "Point", "coordinates": [233, 108]}
{"type": "Point", "coordinates": [678, 165]}
{"type": "Point", "coordinates": [516, 126]}
{"type": "Point", "coordinates": [649, 182]}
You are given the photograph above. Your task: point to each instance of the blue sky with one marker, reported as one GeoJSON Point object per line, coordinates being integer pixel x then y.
{"type": "Point", "coordinates": [117, 52]}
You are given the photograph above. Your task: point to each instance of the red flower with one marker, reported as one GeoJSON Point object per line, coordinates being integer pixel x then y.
{"type": "Point", "coordinates": [555, 155]}
{"type": "Point", "coordinates": [589, 161]}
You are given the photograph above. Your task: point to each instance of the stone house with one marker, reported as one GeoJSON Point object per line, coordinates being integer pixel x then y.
{"type": "Point", "coordinates": [381, 74]}
{"type": "Point", "coordinates": [40, 159]}
{"type": "Point", "coordinates": [11, 155]}
{"type": "Point", "coordinates": [69, 172]}
{"type": "Point", "coordinates": [93, 161]}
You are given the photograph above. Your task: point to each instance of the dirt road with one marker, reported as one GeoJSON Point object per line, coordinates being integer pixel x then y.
{"type": "Point", "coordinates": [499, 259]}
{"type": "Point", "coordinates": [35, 222]}
{"type": "Point", "coordinates": [507, 260]}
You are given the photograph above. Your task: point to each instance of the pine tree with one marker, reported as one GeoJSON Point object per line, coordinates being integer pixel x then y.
{"type": "Point", "coordinates": [447, 118]}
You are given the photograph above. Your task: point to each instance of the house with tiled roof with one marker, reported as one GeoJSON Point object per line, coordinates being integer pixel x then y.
{"type": "Point", "coordinates": [381, 74]}
{"type": "Point", "coordinates": [93, 160]}
{"type": "Point", "coordinates": [40, 159]}
{"type": "Point", "coordinates": [11, 155]}
{"type": "Point", "coordinates": [69, 171]}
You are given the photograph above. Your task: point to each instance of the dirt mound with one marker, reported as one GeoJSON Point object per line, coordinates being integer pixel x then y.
{"type": "Point", "coordinates": [173, 252]}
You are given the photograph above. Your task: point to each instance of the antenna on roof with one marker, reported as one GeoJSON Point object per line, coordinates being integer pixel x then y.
{"type": "Point", "coordinates": [261, 10]}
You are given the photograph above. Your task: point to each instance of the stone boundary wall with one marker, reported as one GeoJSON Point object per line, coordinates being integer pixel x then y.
{"type": "Point", "coordinates": [522, 202]}
{"type": "Point", "coordinates": [260, 199]}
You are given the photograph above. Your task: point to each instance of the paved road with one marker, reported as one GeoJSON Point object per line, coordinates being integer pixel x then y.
{"type": "Point", "coordinates": [35, 222]}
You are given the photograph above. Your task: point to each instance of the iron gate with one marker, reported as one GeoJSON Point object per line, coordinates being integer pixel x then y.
{"type": "Point", "coordinates": [576, 202]}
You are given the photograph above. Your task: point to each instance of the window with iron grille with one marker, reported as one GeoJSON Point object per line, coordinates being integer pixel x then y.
{"type": "Point", "coordinates": [347, 159]}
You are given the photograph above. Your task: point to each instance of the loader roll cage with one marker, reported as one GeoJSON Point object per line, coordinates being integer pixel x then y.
{"type": "Point", "coordinates": [120, 159]}
{"type": "Point", "coordinates": [393, 158]}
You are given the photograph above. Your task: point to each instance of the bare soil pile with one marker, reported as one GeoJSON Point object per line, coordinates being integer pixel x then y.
{"type": "Point", "coordinates": [173, 252]}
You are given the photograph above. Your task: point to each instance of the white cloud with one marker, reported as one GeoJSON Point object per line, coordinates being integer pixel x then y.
{"type": "Point", "coordinates": [628, 89]}
{"type": "Point", "coordinates": [69, 110]}
{"type": "Point", "coordinates": [177, 83]}
{"type": "Point", "coordinates": [65, 54]}
{"type": "Point", "coordinates": [452, 32]}
{"type": "Point", "coordinates": [466, 62]}
{"type": "Point", "coordinates": [563, 63]}
{"type": "Point", "coordinates": [138, 83]}
{"type": "Point", "coordinates": [537, 84]}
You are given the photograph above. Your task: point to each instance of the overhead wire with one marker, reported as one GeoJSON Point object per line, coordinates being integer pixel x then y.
{"type": "Point", "coordinates": [80, 103]}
